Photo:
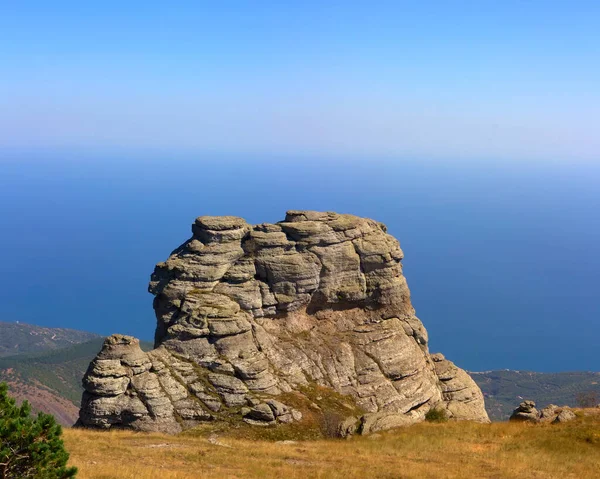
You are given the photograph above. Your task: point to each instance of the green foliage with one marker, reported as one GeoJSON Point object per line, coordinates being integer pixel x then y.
{"type": "Point", "coordinates": [30, 447]}
{"type": "Point", "coordinates": [436, 415]}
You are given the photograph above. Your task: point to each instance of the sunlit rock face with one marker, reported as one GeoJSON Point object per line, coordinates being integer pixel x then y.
{"type": "Point", "coordinates": [246, 313]}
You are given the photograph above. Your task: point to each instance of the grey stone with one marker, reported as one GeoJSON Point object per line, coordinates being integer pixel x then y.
{"type": "Point", "coordinates": [296, 415]}
{"type": "Point", "coordinates": [245, 313]}
{"type": "Point", "coordinates": [526, 411]}
{"type": "Point", "coordinates": [228, 384]}
{"type": "Point", "coordinates": [278, 408]}
{"type": "Point", "coordinates": [564, 416]}
{"type": "Point", "coordinates": [348, 427]}
{"type": "Point", "coordinates": [461, 396]}
{"type": "Point", "coordinates": [262, 412]}
{"type": "Point", "coordinates": [105, 386]}
{"type": "Point", "coordinates": [255, 422]}
{"type": "Point", "coordinates": [381, 421]}
{"type": "Point", "coordinates": [286, 418]}
{"type": "Point", "coordinates": [549, 413]}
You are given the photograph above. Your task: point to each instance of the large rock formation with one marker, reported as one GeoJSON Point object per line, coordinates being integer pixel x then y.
{"type": "Point", "coordinates": [248, 313]}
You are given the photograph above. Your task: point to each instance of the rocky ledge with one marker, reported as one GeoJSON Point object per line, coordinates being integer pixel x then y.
{"type": "Point", "coordinates": [247, 314]}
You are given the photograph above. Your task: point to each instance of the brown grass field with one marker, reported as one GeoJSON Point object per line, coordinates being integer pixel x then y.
{"type": "Point", "coordinates": [426, 450]}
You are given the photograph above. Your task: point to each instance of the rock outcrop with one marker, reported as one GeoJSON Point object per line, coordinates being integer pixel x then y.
{"type": "Point", "coordinates": [247, 314]}
{"type": "Point", "coordinates": [526, 411]}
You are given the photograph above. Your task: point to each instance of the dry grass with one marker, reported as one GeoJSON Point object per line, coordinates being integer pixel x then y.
{"type": "Point", "coordinates": [449, 450]}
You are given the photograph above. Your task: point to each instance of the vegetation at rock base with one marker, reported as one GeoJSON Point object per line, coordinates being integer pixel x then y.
{"type": "Point", "coordinates": [449, 450]}
{"type": "Point", "coordinates": [436, 415]}
{"type": "Point", "coordinates": [30, 447]}
{"type": "Point", "coordinates": [323, 412]}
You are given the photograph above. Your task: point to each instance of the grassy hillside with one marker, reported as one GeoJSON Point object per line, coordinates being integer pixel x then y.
{"type": "Point", "coordinates": [451, 450]}
{"type": "Point", "coordinates": [504, 390]}
{"type": "Point", "coordinates": [19, 338]}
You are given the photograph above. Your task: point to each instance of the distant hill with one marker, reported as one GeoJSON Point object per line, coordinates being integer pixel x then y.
{"type": "Point", "coordinates": [504, 390]}
{"type": "Point", "coordinates": [18, 338]}
{"type": "Point", "coordinates": [51, 380]}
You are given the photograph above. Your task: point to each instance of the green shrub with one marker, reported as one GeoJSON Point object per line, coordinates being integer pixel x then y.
{"type": "Point", "coordinates": [30, 447]}
{"type": "Point", "coordinates": [436, 415]}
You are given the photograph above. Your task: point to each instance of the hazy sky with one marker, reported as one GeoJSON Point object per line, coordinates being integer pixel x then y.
{"type": "Point", "coordinates": [448, 79]}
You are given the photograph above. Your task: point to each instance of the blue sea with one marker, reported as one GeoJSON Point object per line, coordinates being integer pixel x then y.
{"type": "Point", "coordinates": [502, 258]}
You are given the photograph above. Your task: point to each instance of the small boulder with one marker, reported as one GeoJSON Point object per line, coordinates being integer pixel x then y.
{"type": "Point", "coordinates": [549, 413]}
{"type": "Point", "coordinates": [296, 415]}
{"type": "Point", "coordinates": [262, 412]}
{"type": "Point", "coordinates": [348, 427]}
{"type": "Point", "coordinates": [526, 411]}
{"type": "Point", "coordinates": [278, 408]}
{"type": "Point", "coordinates": [564, 416]}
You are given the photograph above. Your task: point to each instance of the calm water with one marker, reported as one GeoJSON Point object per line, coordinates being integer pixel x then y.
{"type": "Point", "coordinates": [503, 261]}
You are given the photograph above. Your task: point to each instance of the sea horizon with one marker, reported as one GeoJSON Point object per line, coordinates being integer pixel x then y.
{"type": "Point", "coordinates": [502, 260]}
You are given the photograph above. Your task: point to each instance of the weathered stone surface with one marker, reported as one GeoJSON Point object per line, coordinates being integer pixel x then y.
{"type": "Point", "coordinates": [564, 416]}
{"type": "Point", "coordinates": [245, 313]}
{"type": "Point", "coordinates": [462, 397]}
{"type": "Point", "coordinates": [549, 413]}
{"type": "Point", "coordinates": [348, 427]}
{"type": "Point", "coordinates": [381, 421]}
{"type": "Point", "coordinates": [261, 412]}
{"type": "Point", "coordinates": [526, 411]}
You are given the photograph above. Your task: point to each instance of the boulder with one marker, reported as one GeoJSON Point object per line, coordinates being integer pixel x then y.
{"type": "Point", "coordinates": [548, 413]}
{"type": "Point", "coordinates": [565, 415]}
{"type": "Point", "coordinates": [526, 411]}
{"type": "Point", "coordinates": [261, 412]}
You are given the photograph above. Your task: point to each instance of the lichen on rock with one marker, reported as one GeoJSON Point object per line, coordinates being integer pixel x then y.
{"type": "Point", "coordinates": [246, 313]}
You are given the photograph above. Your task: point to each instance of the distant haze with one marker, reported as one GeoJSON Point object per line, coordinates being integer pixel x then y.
{"type": "Point", "coordinates": [479, 80]}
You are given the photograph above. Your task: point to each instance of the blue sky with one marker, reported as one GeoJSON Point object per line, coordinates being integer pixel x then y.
{"type": "Point", "coordinates": [509, 80]}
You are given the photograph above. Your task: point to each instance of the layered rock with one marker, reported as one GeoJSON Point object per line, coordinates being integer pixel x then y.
{"type": "Point", "coordinates": [248, 313]}
{"type": "Point", "coordinates": [526, 411]}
